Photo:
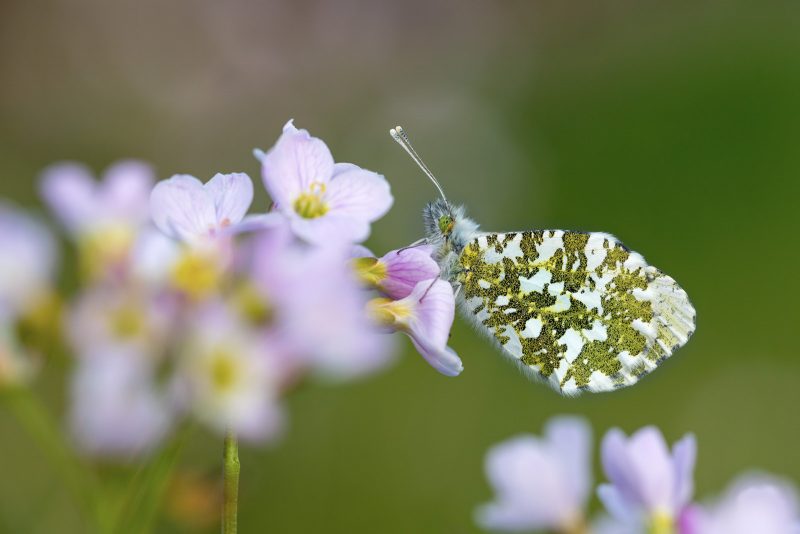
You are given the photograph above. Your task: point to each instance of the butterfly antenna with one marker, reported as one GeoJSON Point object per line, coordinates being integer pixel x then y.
{"type": "Point", "coordinates": [399, 135]}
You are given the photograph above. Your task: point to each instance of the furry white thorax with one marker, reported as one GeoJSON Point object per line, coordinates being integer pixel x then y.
{"type": "Point", "coordinates": [448, 245]}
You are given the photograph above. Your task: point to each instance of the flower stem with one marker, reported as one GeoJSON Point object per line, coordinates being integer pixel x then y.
{"type": "Point", "coordinates": [231, 470]}
{"type": "Point", "coordinates": [41, 427]}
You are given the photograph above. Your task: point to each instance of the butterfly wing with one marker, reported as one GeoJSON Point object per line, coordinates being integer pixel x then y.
{"type": "Point", "coordinates": [578, 309]}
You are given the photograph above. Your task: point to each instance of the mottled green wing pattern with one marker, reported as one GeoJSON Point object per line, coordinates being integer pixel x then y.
{"type": "Point", "coordinates": [578, 309]}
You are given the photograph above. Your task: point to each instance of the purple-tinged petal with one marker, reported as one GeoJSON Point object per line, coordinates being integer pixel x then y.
{"type": "Point", "coordinates": [153, 256]}
{"type": "Point", "coordinates": [405, 269]}
{"type": "Point", "coordinates": [295, 162]}
{"type": "Point", "coordinates": [684, 453]}
{"type": "Point", "coordinates": [690, 520]}
{"type": "Point", "coordinates": [532, 480]}
{"type": "Point", "coordinates": [232, 195]}
{"type": "Point", "coordinates": [319, 304]}
{"type": "Point", "coordinates": [360, 251]}
{"type": "Point", "coordinates": [125, 190]}
{"type": "Point", "coordinates": [244, 398]}
{"type": "Point", "coordinates": [610, 525]}
{"type": "Point", "coordinates": [572, 438]}
{"type": "Point", "coordinates": [433, 305]}
{"type": "Point", "coordinates": [69, 191]}
{"type": "Point", "coordinates": [443, 359]}
{"type": "Point", "coordinates": [182, 208]}
{"type": "Point", "coordinates": [340, 168]}
{"type": "Point", "coordinates": [28, 255]}
{"type": "Point", "coordinates": [615, 504]}
{"type": "Point", "coordinates": [613, 453]}
{"type": "Point", "coordinates": [360, 194]}
{"type": "Point", "coordinates": [647, 481]}
{"type": "Point", "coordinates": [435, 312]}
{"type": "Point", "coordinates": [755, 503]}
{"type": "Point", "coordinates": [521, 472]}
{"type": "Point", "coordinates": [115, 410]}
{"type": "Point", "coordinates": [254, 223]}
{"type": "Point", "coordinates": [330, 229]}
{"type": "Point", "coordinates": [648, 453]}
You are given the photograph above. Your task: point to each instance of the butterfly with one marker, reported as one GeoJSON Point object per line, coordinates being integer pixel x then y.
{"type": "Point", "coordinates": [578, 310]}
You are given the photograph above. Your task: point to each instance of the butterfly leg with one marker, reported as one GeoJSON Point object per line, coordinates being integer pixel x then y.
{"type": "Point", "coordinates": [457, 291]}
{"type": "Point", "coordinates": [428, 289]}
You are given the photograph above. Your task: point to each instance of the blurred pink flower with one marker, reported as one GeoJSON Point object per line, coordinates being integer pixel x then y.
{"type": "Point", "coordinates": [228, 374]}
{"type": "Point", "coordinates": [753, 504]}
{"type": "Point", "coordinates": [426, 316]}
{"type": "Point", "coordinates": [650, 486]}
{"type": "Point", "coordinates": [399, 271]}
{"type": "Point", "coordinates": [85, 205]}
{"type": "Point", "coordinates": [318, 304]}
{"type": "Point", "coordinates": [324, 201]}
{"type": "Point", "coordinates": [187, 210]}
{"type": "Point", "coordinates": [137, 318]}
{"type": "Point", "coordinates": [154, 257]}
{"type": "Point", "coordinates": [116, 410]}
{"type": "Point", "coordinates": [540, 483]}
{"type": "Point", "coordinates": [27, 260]}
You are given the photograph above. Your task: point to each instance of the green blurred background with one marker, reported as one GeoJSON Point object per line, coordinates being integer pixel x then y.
{"type": "Point", "coordinates": [674, 125]}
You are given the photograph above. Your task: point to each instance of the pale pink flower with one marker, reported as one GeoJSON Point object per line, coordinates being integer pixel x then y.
{"type": "Point", "coordinates": [188, 210]}
{"type": "Point", "coordinates": [86, 206]}
{"type": "Point", "coordinates": [397, 273]}
{"type": "Point", "coordinates": [650, 486]}
{"type": "Point", "coordinates": [754, 503]}
{"type": "Point", "coordinates": [540, 483]}
{"type": "Point", "coordinates": [136, 318]}
{"type": "Point", "coordinates": [27, 260]}
{"type": "Point", "coordinates": [227, 375]}
{"type": "Point", "coordinates": [116, 410]}
{"type": "Point", "coordinates": [426, 316]}
{"type": "Point", "coordinates": [318, 305]}
{"type": "Point", "coordinates": [324, 201]}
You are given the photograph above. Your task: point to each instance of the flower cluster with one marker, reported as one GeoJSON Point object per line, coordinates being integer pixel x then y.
{"type": "Point", "coordinates": [544, 484]}
{"type": "Point", "coordinates": [189, 306]}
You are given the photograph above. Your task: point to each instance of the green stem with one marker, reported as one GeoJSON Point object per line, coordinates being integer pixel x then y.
{"type": "Point", "coordinates": [149, 485]}
{"type": "Point", "coordinates": [231, 470]}
{"type": "Point", "coordinates": [41, 427]}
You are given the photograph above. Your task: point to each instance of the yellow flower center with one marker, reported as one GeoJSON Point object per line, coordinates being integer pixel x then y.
{"type": "Point", "coordinates": [196, 274]}
{"type": "Point", "coordinates": [388, 312]}
{"type": "Point", "coordinates": [252, 305]}
{"type": "Point", "coordinates": [662, 523]}
{"type": "Point", "coordinates": [39, 327]}
{"type": "Point", "coordinates": [371, 271]}
{"type": "Point", "coordinates": [127, 322]}
{"type": "Point", "coordinates": [104, 247]}
{"type": "Point", "coordinates": [575, 525]}
{"type": "Point", "coordinates": [311, 204]}
{"type": "Point", "coordinates": [224, 371]}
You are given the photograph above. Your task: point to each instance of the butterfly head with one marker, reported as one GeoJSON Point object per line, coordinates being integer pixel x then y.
{"type": "Point", "coordinates": [439, 220]}
{"type": "Point", "coordinates": [446, 224]}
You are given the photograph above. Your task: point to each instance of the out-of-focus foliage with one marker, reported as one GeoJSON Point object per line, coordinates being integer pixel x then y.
{"type": "Point", "coordinates": [673, 126]}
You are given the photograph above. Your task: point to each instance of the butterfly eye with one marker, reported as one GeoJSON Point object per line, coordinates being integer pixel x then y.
{"type": "Point", "coordinates": [446, 224]}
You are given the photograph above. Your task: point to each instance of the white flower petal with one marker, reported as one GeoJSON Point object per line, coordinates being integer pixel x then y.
{"type": "Point", "coordinates": [295, 162]}
{"type": "Point", "coordinates": [232, 195]}
{"type": "Point", "coordinates": [69, 191]}
{"type": "Point", "coordinates": [125, 191]}
{"type": "Point", "coordinates": [329, 229]}
{"type": "Point", "coordinates": [360, 194]}
{"type": "Point", "coordinates": [182, 208]}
